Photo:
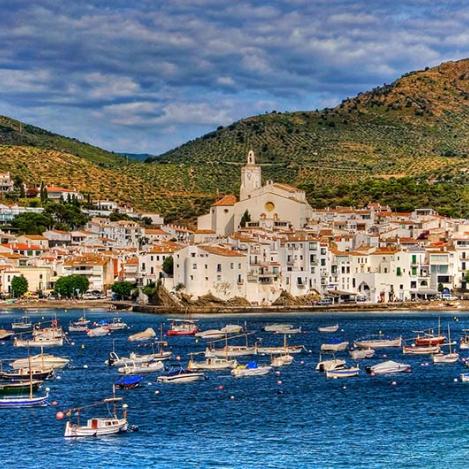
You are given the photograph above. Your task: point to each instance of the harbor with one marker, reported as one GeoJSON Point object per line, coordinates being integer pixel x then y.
{"type": "Point", "coordinates": [254, 408]}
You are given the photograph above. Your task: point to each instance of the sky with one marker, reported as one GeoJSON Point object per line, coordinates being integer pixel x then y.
{"type": "Point", "coordinates": [145, 76]}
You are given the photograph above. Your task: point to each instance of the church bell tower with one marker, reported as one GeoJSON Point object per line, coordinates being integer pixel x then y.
{"type": "Point", "coordinates": [251, 177]}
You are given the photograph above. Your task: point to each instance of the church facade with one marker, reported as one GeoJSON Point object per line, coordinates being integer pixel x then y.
{"type": "Point", "coordinates": [272, 205]}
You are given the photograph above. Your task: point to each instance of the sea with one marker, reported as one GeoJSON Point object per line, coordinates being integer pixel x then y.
{"type": "Point", "coordinates": [292, 418]}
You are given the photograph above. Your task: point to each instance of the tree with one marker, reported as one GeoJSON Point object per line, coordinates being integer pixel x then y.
{"type": "Point", "coordinates": [168, 266]}
{"type": "Point", "coordinates": [123, 289]}
{"type": "Point", "coordinates": [32, 223]}
{"type": "Point", "coordinates": [71, 286]}
{"type": "Point", "coordinates": [66, 215]}
{"type": "Point", "coordinates": [466, 278]}
{"type": "Point", "coordinates": [245, 219]}
{"type": "Point", "coordinates": [43, 193]}
{"type": "Point", "coordinates": [19, 286]}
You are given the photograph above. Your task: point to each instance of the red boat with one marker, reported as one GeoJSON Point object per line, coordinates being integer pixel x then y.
{"type": "Point", "coordinates": [430, 340]}
{"type": "Point", "coordinates": [182, 327]}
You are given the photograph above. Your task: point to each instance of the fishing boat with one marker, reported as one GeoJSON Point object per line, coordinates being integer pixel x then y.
{"type": "Point", "coordinates": [81, 321]}
{"type": "Point", "coordinates": [378, 342]}
{"type": "Point", "coordinates": [42, 360]}
{"type": "Point", "coordinates": [179, 375]}
{"type": "Point", "coordinates": [77, 328]}
{"type": "Point", "coordinates": [210, 334]}
{"type": "Point", "coordinates": [388, 367]}
{"type": "Point", "coordinates": [250, 369]}
{"type": "Point", "coordinates": [24, 373]}
{"type": "Point", "coordinates": [19, 387]}
{"type": "Point", "coordinates": [231, 351]}
{"type": "Point", "coordinates": [147, 334]}
{"type": "Point", "coordinates": [135, 369]}
{"type": "Point", "coordinates": [38, 341]}
{"type": "Point", "coordinates": [429, 338]}
{"type": "Point", "coordinates": [23, 324]}
{"type": "Point", "coordinates": [333, 328]}
{"type": "Point", "coordinates": [280, 350]}
{"type": "Point", "coordinates": [346, 372]}
{"type": "Point", "coordinates": [117, 325]}
{"type": "Point", "coordinates": [53, 332]}
{"type": "Point", "coordinates": [99, 331]}
{"type": "Point", "coordinates": [329, 365]}
{"type": "Point", "coordinates": [362, 353]}
{"type": "Point", "coordinates": [211, 364]}
{"type": "Point", "coordinates": [420, 350]}
{"type": "Point", "coordinates": [334, 345]}
{"type": "Point", "coordinates": [97, 426]}
{"type": "Point", "coordinates": [464, 341]}
{"type": "Point", "coordinates": [182, 327]}
{"type": "Point", "coordinates": [282, 328]}
{"type": "Point", "coordinates": [448, 358]}
{"type": "Point", "coordinates": [5, 334]}
{"type": "Point", "coordinates": [281, 360]}
{"type": "Point", "coordinates": [129, 382]}
{"type": "Point", "coordinates": [464, 377]}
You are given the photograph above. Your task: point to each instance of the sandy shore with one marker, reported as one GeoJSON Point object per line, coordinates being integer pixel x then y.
{"type": "Point", "coordinates": [56, 304]}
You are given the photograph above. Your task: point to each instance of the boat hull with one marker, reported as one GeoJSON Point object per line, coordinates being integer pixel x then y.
{"type": "Point", "coordinates": [18, 402]}
{"type": "Point", "coordinates": [247, 372]}
{"type": "Point", "coordinates": [181, 379]}
{"type": "Point", "coordinates": [340, 347]}
{"type": "Point", "coordinates": [343, 373]}
{"type": "Point", "coordinates": [379, 343]}
{"type": "Point", "coordinates": [76, 431]}
{"type": "Point", "coordinates": [419, 350]}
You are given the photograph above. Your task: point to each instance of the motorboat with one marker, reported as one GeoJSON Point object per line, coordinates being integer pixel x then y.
{"type": "Point", "coordinates": [22, 325]}
{"type": "Point", "coordinates": [147, 334]}
{"type": "Point", "coordinates": [6, 334]}
{"type": "Point", "coordinates": [115, 360]}
{"type": "Point", "coordinates": [26, 373]}
{"type": "Point", "coordinates": [99, 331]}
{"type": "Point", "coordinates": [19, 387]}
{"type": "Point", "coordinates": [388, 367]}
{"type": "Point", "coordinates": [346, 372]}
{"type": "Point", "coordinates": [179, 375]}
{"type": "Point", "coordinates": [464, 377]}
{"type": "Point", "coordinates": [329, 365]}
{"type": "Point", "coordinates": [135, 369]}
{"type": "Point", "coordinates": [282, 328]}
{"type": "Point", "coordinates": [281, 360]}
{"type": "Point", "coordinates": [182, 327]}
{"type": "Point", "coordinates": [53, 332]}
{"type": "Point", "coordinates": [97, 426]}
{"type": "Point", "coordinates": [333, 328]}
{"type": "Point", "coordinates": [129, 382]}
{"type": "Point", "coordinates": [250, 369]}
{"type": "Point", "coordinates": [362, 353]}
{"type": "Point", "coordinates": [420, 350]}
{"type": "Point", "coordinates": [38, 341]}
{"type": "Point", "coordinates": [81, 321]}
{"type": "Point", "coordinates": [210, 334]}
{"type": "Point", "coordinates": [378, 342]}
{"type": "Point", "coordinates": [334, 345]}
{"type": "Point", "coordinates": [450, 357]}
{"type": "Point", "coordinates": [117, 325]}
{"type": "Point", "coordinates": [464, 341]}
{"type": "Point", "coordinates": [42, 360]}
{"type": "Point", "coordinates": [231, 329]}
{"type": "Point", "coordinates": [77, 328]}
{"type": "Point", "coordinates": [211, 364]}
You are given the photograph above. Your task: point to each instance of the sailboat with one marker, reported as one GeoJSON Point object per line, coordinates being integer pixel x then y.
{"type": "Point", "coordinates": [451, 357]}
{"type": "Point", "coordinates": [210, 364]}
{"type": "Point", "coordinates": [281, 350]}
{"type": "Point", "coordinates": [231, 351]}
{"type": "Point", "coordinates": [429, 338]}
{"type": "Point", "coordinates": [23, 324]}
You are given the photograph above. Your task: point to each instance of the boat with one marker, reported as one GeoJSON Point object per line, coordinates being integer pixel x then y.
{"type": "Point", "coordinates": [115, 360]}
{"type": "Point", "coordinates": [19, 387]}
{"type": "Point", "coordinates": [281, 360]}
{"type": "Point", "coordinates": [362, 353]}
{"type": "Point", "coordinates": [81, 321]}
{"type": "Point", "coordinates": [77, 328]}
{"type": "Point", "coordinates": [231, 329]}
{"type": "Point", "coordinates": [210, 334]}
{"type": "Point", "coordinates": [182, 327]}
{"type": "Point", "coordinates": [346, 372]}
{"type": "Point", "coordinates": [23, 324]}
{"type": "Point", "coordinates": [450, 357]}
{"type": "Point", "coordinates": [211, 364]}
{"type": "Point", "coordinates": [420, 350]}
{"type": "Point", "coordinates": [97, 426]}
{"type": "Point", "coordinates": [282, 328]}
{"type": "Point", "coordinates": [147, 334]}
{"type": "Point", "coordinates": [388, 367]}
{"type": "Point", "coordinates": [250, 369]}
{"type": "Point", "coordinates": [428, 338]}
{"type": "Point", "coordinates": [53, 332]}
{"type": "Point", "coordinates": [179, 375]}
{"type": "Point", "coordinates": [42, 360]}
{"type": "Point", "coordinates": [464, 341]}
{"type": "Point", "coordinates": [334, 345]}
{"type": "Point", "coordinates": [23, 401]}
{"type": "Point", "coordinates": [333, 328]}
{"type": "Point", "coordinates": [135, 369]}
{"type": "Point", "coordinates": [38, 341]}
{"type": "Point", "coordinates": [99, 331]}
{"type": "Point", "coordinates": [464, 377]}
{"type": "Point", "coordinates": [329, 365]}
{"type": "Point", "coordinates": [6, 335]}
{"type": "Point", "coordinates": [280, 350]}
{"type": "Point", "coordinates": [129, 382]}
{"type": "Point", "coordinates": [231, 351]}
{"type": "Point", "coordinates": [377, 342]}
{"type": "Point", "coordinates": [25, 373]}
{"type": "Point", "coordinates": [117, 325]}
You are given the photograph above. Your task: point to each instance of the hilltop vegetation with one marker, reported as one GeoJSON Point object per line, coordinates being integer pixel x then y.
{"type": "Point", "coordinates": [405, 144]}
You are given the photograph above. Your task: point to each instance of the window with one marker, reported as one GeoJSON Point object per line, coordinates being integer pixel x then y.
{"type": "Point", "coordinates": [232, 266]}
{"type": "Point", "coordinates": [398, 272]}
{"type": "Point", "coordinates": [218, 267]}
{"type": "Point", "coordinates": [323, 262]}
{"type": "Point", "coordinates": [192, 254]}
{"type": "Point", "coordinates": [143, 266]}
{"type": "Point", "coordinates": [194, 266]}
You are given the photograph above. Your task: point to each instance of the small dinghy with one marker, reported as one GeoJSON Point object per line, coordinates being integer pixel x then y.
{"type": "Point", "coordinates": [282, 329]}
{"type": "Point", "coordinates": [250, 369]}
{"type": "Point", "coordinates": [210, 334]}
{"type": "Point", "coordinates": [464, 341]}
{"type": "Point", "coordinates": [135, 369]}
{"type": "Point", "coordinates": [147, 334]}
{"type": "Point", "coordinates": [388, 367]}
{"type": "Point", "coordinates": [99, 331]}
{"type": "Point", "coordinates": [6, 335]}
{"type": "Point", "coordinates": [420, 349]}
{"type": "Point", "coordinates": [26, 373]}
{"type": "Point", "coordinates": [378, 342]}
{"type": "Point", "coordinates": [328, 365]}
{"type": "Point", "coordinates": [281, 360]}
{"type": "Point", "coordinates": [231, 329]}
{"type": "Point", "coordinates": [362, 353]}
{"type": "Point", "coordinates": [38, 341]}
{"type": "Point", "coordinates": [42, 360]}
{"type": "Point", "coordinates": [346, 372]}
{"type": "Point", "coordinates": [334, 345]}
{"type": "Point", "coordinates": [332, 329]}
{"type": "Point", "coordinates": [22, 325]}
{"type": "Point", "coordinates": [179, 375]}
{"type": "Point", "coordinates": [129, 382]}
{"type": "Point", "coordinates": [19, 387]}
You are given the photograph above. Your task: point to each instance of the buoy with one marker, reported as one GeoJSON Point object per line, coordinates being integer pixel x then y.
{"type": "Point", "coordinates": [278, 373]}
{"type": "Point", "coordinates": [455, 380]}
{"type": "Point", "coordinates": [47, 389]}
{"type": "Point", "coordinates": [232, 398]}
{"type": "Point", "coordinates": [59, 377]}
{"type": "Point", "coordinates": [178, 358]}
{"type": "Point", "coordinates": [302, 362]}
{"type": "Point", "coordinates": [150, 383]}
{"type": "Point", "coordinates": [394, 383]}
{"type": "Point", "coordinates": [54, 403]}
{"type": "Point", "coordinates": [72, 343]}
{"type": "Point", "coordinates": [85, 366]}
{"type": "Point", "coordinates": [344, 387]}
{"type": "Point", "coordinates": [157, 391]}
{"type": "Point", "coordinates": [221, 387]}
{"type": "Point", "coordinates": [82, 346]}
{"type": "Point", "coordinates": [59, 415]}
{"type": "Point", "coordinates": [279, 381]}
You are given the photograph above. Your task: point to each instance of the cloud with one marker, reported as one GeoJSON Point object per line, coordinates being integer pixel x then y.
{"type": "Point", "coordinates": [110, 71]}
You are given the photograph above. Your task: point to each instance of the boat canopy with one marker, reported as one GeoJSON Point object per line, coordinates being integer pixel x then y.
{"type": "Point", "coordinates": [251, 365]}
{"type": "Point", "coordinates": [129, 380]}
{"type": "Point", "coordinates": [335, 340]}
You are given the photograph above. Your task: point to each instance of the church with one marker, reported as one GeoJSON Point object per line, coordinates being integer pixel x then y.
{"type": "Point", "coordinates": [271, 206]}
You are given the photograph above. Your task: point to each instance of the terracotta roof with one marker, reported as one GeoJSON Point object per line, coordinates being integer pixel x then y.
{"type": "Point", "coordinates": [286, 187]}
{"type": "Point", "coordinates": [164, 248]}
{"type": "Point", "coordinates": [225, 201]}
{"type": "Point", "coordinates": [155, 231]}
{"type": "Point", "coordinates": [36, 237]}
{"type": "Point", "coordinates": [220, 251]}
{"type": "Point", "coordinates": [89, 259]}
{"type": "Point", "coordinates": [204, 232]}
{"type": "Point", "coordinates": [59, 189]}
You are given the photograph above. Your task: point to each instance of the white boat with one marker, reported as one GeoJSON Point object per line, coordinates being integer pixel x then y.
{"type": "Point", "coordinates": [250, 369]}
{"type": "Point", "coordinates": [77, 328]}
{"type": "Point", "coordinates": [450, 357]}
{"type": "Point", "coordinates": [282, 328]}
{"type": "Point", "coordinates": [38, 341]}
{"type": "Point", "coordinates": [464, 377]}
{"type": "Point", "coordinates": [329, 365]}
{"type": "Point", "coordinates": [362, 353]}
{"type": "Point", "coordinates": [231, 329]}
{"type": "Point", "coordinates": [278, 350]}
{"type": "Point", "coordinates": [97, 426]}
{"type": "Point", "coordinates": [53, 332]}
{"type": "Point", "coordinates": [464, 341]}
{"type": "Point", "coordinates": [211, 364]}
{"type": "Point", "coordinates": [15, 402]}
{"type": "Point", "coordinates": [333, 328]}
{"type": "Point", "coordinates": [388, 367]}
{"type": "Point", "coordinates": [117, 325]}
{"type": "Point", "coordinates": [115, 360]}
{"type": "Point", "coordinates": [334, 345]}
{"type": "Point", "coordinates": [343, 372]}
{"type": "Point", "coordinates": [210, 334]}
{"type": "Point", "coordinates": [420, 350]}
{"type": "Point", "coordinates": [5, 334]}
{"type": "Point", "coordinates": [138, 368]}
{"type": "Point", "coordinates": [231, 351]}
{"type": "Point", "coordinates": [100, 331]}
{"type": "Point", "coordinates": [82, 321]}
{"type": "Point", "coordinates": [147, 334]}
{"type": "Point", "coordinates": [380, 342]}
{"type": "Point", "coordinates": [23, 324]}
{"type": "Point", "coordinates": [281, 360]}
{"type": "Point", "coordinates": [180, 376]}
{"type": "Point", "coordinates": [42, 360]}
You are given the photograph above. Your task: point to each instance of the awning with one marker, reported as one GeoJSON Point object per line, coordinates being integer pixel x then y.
{"type": "Point", "coordinates": [341, 293]}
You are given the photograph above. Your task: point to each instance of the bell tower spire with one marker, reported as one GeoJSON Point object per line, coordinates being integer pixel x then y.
{"type": "Point", "coordinates": [251, 177]}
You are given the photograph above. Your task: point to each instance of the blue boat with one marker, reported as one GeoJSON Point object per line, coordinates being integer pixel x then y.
{"type": "Point", "coordinates": [129, 382]}
{"type": "Point", "coordinates": [23, 401]}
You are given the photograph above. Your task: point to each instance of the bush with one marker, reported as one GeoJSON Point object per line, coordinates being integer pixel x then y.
{"type": "Point", "coordinates": [19, 286]}
{"type": "Point", "coordinates": [123, 289]}
{"type": "Point", "coordinates": [71, 286]}
{"type": "Point", "coordinates": [168, 266]}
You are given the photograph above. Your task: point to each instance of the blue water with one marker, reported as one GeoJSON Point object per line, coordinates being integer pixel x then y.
{"type": "Point", "coordinates": [306, 421]}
